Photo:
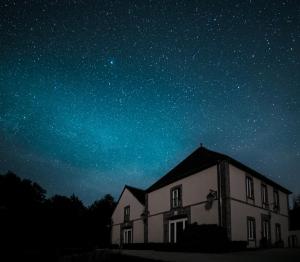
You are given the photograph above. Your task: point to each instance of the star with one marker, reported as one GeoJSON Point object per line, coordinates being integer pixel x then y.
{"type": "Point", "coordinates": [98, 96]}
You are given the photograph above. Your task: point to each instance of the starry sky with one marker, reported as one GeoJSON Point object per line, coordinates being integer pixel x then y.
{"type": "Point", "coordinates": [98, 94]}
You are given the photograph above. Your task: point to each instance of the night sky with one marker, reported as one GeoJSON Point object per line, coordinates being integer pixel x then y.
{"type": "Point", "coordinates": [98, 94]}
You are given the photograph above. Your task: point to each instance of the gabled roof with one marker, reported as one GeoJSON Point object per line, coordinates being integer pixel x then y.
{"type": "Point", "coordinates": [201, 159]}
{"type": "Point", "coordinates": [139, 194]}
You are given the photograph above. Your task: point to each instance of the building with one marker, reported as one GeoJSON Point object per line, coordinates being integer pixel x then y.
{"type": "Point", "coordinates": [207, 188]}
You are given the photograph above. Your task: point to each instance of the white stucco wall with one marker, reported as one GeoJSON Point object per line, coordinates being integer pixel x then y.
{"type": "Point", "coordinates": [284, 222]}
{"type": "Point", "coordinates": [194, 190]}
{"type": "Point", "coordinates": [240, 210]}
{"type": "Point", "coordinates": [283, 198]}
{"type": "Point", "coordinates": [136, 209]}
{"type": "Point", "coordinates": [239, 213]}
{"type": "Point", "coordinates": [202, 216]}
{"type": "Point", "coordinates": [138, 231]}
{"type": "Point", "coordinates": [155, 229]}
{"type": "Point", "coordinates": [237, 179]}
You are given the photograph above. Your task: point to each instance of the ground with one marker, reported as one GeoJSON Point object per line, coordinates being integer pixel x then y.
{"type": "Point", "coordinates": [274, 255]}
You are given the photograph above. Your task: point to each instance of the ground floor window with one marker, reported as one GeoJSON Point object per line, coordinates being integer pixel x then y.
{"type": "Point", "coordinates": [277, 232]}
{"type": "Point", "coordinates": [266, 229]}
{"type": "Point", "coordinates": [176, 228]}
{"type": "Point", "coordinates": [251, 228]}
{"type": "Point", "coordinates": [127, 236]}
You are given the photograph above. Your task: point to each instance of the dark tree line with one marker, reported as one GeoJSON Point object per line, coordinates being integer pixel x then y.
{"type": "Point", "coordinates": [30, 222]}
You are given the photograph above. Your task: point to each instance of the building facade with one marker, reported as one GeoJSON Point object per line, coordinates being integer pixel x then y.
{"type": "Point", "coordinates": [205, 188]}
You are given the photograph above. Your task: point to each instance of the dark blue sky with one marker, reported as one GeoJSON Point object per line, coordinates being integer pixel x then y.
{"type": "Point", "coordinates": [96, 94]}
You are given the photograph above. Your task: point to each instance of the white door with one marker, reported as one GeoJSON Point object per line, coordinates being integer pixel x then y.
{"type": "Point", "coordinates": [127, 236]}
{"type": "Point", "coordinates": [176, 228]}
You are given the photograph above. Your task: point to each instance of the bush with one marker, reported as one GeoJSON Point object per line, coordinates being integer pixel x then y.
{"type": "Point", "coordinates": [237, 245]}
{"type": "Point", "coordinates": [279, 243]}
{"type": "Point", "coordinates": [205, 238]}
{"type": "Point", "coordinates": [264, 243]}
{"type": "Point", "coordinates": [196, 238]}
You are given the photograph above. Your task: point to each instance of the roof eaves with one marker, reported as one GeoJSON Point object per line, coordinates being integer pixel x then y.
{"type": "Point", "coordinates": [257, 174]}
{"type": "Point", "coordinates": [135, 192]}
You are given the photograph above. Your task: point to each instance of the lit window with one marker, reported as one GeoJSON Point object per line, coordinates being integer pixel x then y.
{"type": "Point", "coordinates": [249, 187]}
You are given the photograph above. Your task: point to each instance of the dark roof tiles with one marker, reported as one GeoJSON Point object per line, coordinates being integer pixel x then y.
{"type": "Point", "coordinates": [199, 160]}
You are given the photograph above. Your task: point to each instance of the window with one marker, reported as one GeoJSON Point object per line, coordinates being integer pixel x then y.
{"type": "Point", "coordinates": [249, 187]}
{"type": "Point", "coordinates": [264, 195]}
{"type": "Point", "coordinates": [276, 201]}
{"type": "Point", "coordinates": [266, 228]}
{"type": "Point", "coordinates": [251, 228]}
{"type": "Point", "coordinates": [277, 232]}
{"type": "Point", "coordinates": [127, 213]}
{"type": "Point", "coordinates": [176, 197]}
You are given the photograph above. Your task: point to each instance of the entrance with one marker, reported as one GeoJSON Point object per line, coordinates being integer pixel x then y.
{"type": "Point", "coordinates": [176, 228]}
{"type": "Point", "coordinates": [265, 230]}
{"type": "Point", "coordinates": [127, 236]}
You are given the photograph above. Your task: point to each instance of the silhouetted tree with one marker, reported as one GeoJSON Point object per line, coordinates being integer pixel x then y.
{"type": "Point", "coordinates": [21, 202]}
{"type": "Point", "coordinates": [18, 193]}
{"type": "Point", "coordinates": [100, 220]}
{"type": "Point", "coordinates": [55, 225]}
{"type": "Point", "coordinates": [66, 221]}
{"type": "Point", "coordinates": [66, 204]}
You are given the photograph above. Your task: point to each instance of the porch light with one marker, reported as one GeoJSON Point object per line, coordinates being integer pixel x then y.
{"type": "Point", "coordinates": [211, 196]}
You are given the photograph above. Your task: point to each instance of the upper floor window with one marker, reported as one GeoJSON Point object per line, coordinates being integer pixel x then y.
{"type": "Point", "coordinates": [127, 213]}
{"type": "Point", "coordinates": [264, 195]}
{"type": "Point", "coordinates": [176, 197]}
{"type": "Point", "coordinates": [249, 187]}
{"type": "Point", "coordinates": [276, 200]}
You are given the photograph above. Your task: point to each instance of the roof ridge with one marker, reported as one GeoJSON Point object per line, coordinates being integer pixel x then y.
{"type": "Point", "coordinates": [138, 193]}
{"type": "Point", "coordinates": [199, 160]}
{"type": "Point", "coordinates": [132, 187]}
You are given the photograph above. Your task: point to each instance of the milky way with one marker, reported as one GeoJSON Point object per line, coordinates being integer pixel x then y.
{"type": "Point", "coordinates": [98, 94]}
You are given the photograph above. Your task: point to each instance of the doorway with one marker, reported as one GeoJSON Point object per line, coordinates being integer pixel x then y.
{"type": "Point", "coordinates": [127, 236]}
{"type": "Point", "coordinates": [176, 228]}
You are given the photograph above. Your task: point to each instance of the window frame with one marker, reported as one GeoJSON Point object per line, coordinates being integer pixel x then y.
{"type": "Point", "coordinates": [249, 187]}
{"type": "Point", "coordinates": [276, 200]}
{"type": "Point", "coordinates": [251, 229]}
{"type": "Point", "coordinates": [127, 236]}
{"type": "Point", "coordinates": [266, 227]}
{"type": "Point", "coordinates": [127, 213]}
{"type": "Point", "coordinates": [174, 237]}
{"type": "Point", "coordinates": [264, 195]}
{"type": "Point", "coordinates": [278, 232]}
{"type": "Point", "coordinates": [176, 201]}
